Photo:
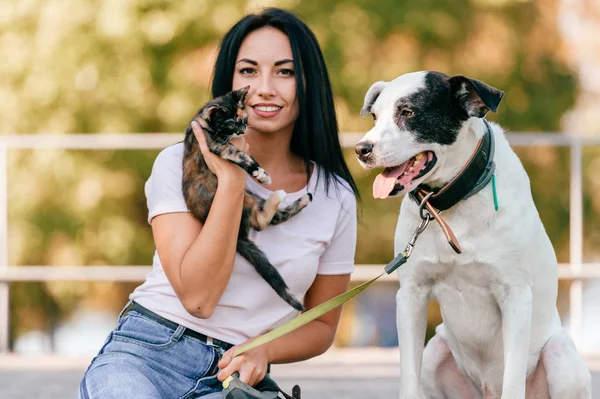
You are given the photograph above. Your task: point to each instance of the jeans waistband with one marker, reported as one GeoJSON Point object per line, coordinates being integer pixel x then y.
{"type": "Point", "coordinates": [173, 326]}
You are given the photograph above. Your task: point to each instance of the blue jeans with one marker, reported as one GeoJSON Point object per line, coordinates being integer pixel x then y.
{"type": "Point", "coordinates": [144, 359]}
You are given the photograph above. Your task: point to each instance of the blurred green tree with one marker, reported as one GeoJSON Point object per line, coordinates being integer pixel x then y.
{"type": "Point", "coordinates": [81, 66]}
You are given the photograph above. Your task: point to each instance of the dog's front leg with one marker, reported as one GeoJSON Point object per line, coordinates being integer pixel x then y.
{"type": "Point", "coordinates": [412, 300]}
{"type": "Point", "coordinates": [515, 304]}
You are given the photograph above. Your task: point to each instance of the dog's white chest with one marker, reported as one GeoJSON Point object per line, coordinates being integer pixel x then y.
{"type": "Point", "coordinates": [462, 292]}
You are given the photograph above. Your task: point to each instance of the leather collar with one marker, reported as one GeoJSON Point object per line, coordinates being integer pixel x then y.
{"type": "Point", "coordinates": [475, 175]}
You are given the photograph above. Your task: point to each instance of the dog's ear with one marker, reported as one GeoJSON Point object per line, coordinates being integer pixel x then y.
{"type": "Point", "coordinates": [371, 96]}
{"type": "Point", "coordinates": [474, 96]}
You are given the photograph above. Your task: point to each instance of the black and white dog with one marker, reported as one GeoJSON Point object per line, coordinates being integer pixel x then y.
{"type": "Point", "coordinates": [501, 335]}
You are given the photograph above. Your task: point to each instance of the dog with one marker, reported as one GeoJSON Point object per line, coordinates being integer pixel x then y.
{"type": "Point", "coordinates": [496, 284]}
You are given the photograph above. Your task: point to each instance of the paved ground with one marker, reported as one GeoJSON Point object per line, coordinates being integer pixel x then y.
{"type": "Point", "coordinates": [342, 374]}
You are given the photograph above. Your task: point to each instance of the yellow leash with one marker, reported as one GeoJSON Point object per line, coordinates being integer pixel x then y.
{"type": "Point", "coordinates": [302, 320]}
{"type": "Point", "coordinates": [323, 308]}
{"type": "Point", "coordinates": [305, 317]}
{"type": "Point", "coordinates": [331, 304]}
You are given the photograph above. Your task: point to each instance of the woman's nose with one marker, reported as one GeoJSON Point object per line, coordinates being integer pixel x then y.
{"type": "Point", "coordinates": [265, 86]}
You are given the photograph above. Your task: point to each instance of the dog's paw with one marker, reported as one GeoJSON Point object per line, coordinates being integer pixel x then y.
{"type": "Point", "coordinates": [262, 177]}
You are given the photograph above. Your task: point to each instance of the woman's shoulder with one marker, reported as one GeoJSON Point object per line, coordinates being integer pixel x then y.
{"type": "Point", "coordinates": [333, 187]}
{"type": "Point", "coordinates": [171, 153]}
{"type": "Point", "coordinates": [169, 158]}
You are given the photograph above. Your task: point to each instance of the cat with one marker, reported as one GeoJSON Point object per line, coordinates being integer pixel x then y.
{"type": "Point", "coordinates": [222, 119]}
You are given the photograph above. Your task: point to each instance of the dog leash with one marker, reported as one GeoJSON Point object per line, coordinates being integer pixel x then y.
{"type": "Point", "coordinates": [333, 303]}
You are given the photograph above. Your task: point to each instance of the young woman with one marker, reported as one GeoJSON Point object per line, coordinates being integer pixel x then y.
{"type": "Point", "coordinates": [175, 337]}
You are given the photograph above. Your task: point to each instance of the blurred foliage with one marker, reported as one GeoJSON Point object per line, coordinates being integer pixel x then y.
{"type": "Point", "coordinates": [82, 66]}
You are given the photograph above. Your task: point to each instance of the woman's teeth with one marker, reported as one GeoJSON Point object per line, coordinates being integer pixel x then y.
{"type": "Point", "coordinates": [267, 109]}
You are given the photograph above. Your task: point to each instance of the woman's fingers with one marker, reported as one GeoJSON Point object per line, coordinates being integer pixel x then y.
{"type": "Point", "coordinates": [226, 358]}
{"type": "Point", "coordinates": [239, 142]}
{"type": "Point", "coordinates": [222, 168]}
{"type": "Point", "coordinates": [199, 133]}
{"type": "Point", "coordinates": [250, 373]}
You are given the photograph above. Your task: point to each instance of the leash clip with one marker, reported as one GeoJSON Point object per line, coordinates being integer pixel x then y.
{"type": "Point", "coordinates": [404, 255]}
{"type": "Point", "coordinates": [413, 240]}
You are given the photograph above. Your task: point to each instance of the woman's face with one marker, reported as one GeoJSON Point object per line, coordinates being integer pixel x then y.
{"type": "Point", "coordinates": [264, 62]}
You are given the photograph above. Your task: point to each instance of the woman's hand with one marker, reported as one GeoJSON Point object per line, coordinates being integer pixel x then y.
{"type": "Point", "coordinates": [225, 170]}
{"type": "Point", "coordinates": [251, 365]}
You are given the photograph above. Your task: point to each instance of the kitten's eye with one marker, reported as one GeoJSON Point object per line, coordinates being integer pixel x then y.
{"type": "Point", "coordinates": [406, 113]}
{"type": "Point", "coordinates": [230, 124]}
{"type": "Point", "coordinates": [374, 117]}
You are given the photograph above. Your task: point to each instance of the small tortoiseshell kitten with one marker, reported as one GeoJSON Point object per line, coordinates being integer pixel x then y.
{"type": "Point", "coordinates": [222, 119]}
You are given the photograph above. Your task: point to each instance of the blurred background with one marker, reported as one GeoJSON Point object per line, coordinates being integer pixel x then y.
{"type": "Point", "coordinates": [72, 67]}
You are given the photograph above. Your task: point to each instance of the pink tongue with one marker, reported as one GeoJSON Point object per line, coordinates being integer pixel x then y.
{"type": "Point", "coordinates": [384, 182]}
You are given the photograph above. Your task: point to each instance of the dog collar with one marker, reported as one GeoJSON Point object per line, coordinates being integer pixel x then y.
{"type": "Point", "coordinates": [475, 175]}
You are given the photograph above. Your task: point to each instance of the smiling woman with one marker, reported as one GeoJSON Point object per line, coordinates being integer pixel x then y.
{"type": "Point", "coordinates": [177, 336]}
{"type": "Point", "coordinates": [270, 73]}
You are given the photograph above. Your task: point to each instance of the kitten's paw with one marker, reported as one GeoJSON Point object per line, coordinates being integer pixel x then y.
{"type": "Point", "coordinates": [262, 177]}
{"type": "Point", "coordinates": [281, 194]}
{"type": "Point", "coordinates": [306, 199]}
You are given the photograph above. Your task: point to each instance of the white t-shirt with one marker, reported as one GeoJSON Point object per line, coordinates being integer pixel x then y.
{"type": "Point", "coordinates": [321, 239]}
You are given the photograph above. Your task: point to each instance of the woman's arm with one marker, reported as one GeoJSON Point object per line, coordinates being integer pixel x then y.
{"type": "Point", "coordinates": [317, 336]}
{"type": "Point", "coordinates": [198, 259]}
{"type": "Point", "coordinates": [304, 343]}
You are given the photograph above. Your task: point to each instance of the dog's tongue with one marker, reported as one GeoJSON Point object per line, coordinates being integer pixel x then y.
{"type": "Point", "coordinates": [385, 181]}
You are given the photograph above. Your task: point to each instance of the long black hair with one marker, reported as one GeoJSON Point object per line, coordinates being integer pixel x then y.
{"type": "Point", "coordinates": [315, 136]}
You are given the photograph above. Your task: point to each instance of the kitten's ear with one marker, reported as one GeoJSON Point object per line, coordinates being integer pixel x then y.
{"type": "Point", "coordinates": [210, 110]}
{"type": "Point", "coordinates": [240, 95]}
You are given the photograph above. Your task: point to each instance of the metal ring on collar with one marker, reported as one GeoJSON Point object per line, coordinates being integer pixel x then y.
{"type": "Point", "coordinates": [428, 215]}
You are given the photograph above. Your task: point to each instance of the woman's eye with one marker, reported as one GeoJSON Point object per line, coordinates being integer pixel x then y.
{"type": "Point", "coordinates": [246, 71]}
{"type": "Point", "coordinates": [287, 72]}
{"type": "Point", "coordinates": [406, 112]}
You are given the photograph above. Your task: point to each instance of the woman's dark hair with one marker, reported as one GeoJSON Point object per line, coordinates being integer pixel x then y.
{"type": "Point", "coordinates": [315, 136]}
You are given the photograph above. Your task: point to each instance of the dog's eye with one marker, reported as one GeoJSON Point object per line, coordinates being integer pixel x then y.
{"type": "Point", "coordinates": [374, 117]}
{"type": "Point", "coordinates": [406, 112]}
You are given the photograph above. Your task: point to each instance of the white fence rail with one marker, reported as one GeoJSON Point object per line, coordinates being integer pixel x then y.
{"type": "Point", "coordinates": [575, 270]}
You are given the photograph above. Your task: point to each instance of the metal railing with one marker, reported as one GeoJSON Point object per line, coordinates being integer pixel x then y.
{"type": "Point", "coordinates": [575, 270]}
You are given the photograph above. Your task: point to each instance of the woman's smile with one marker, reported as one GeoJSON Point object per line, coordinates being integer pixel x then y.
{"type": "Point", "coordinates": [266, 110]}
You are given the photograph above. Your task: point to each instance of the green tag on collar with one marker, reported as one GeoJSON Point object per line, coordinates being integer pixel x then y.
{"type": "Point", "coordinates": [494, 189]}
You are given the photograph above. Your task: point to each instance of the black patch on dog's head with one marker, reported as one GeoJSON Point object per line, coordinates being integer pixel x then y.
{"type": "Point", "coordinates": [440, 109]}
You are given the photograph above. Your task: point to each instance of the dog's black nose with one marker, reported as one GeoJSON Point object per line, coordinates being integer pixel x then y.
{"type": "Point", "coordinates": [364, 149]}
